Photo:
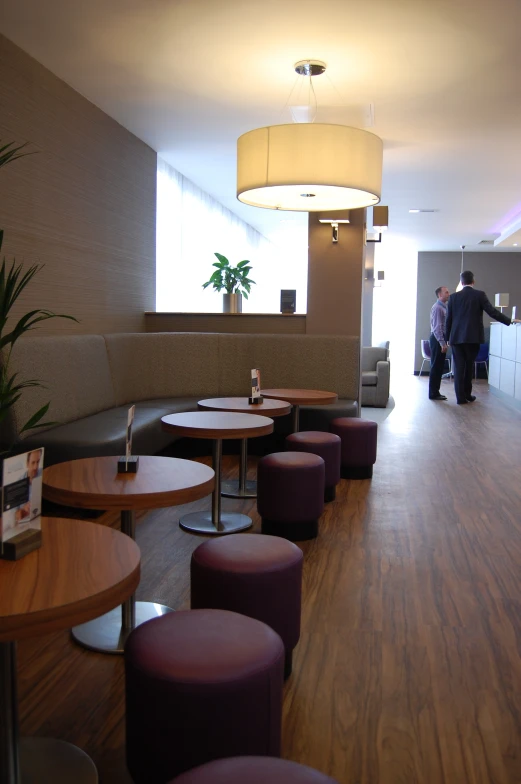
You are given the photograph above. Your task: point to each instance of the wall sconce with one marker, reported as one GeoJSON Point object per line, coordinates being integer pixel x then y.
{"type": "Point", "coordinates": [334, 217]}
{"type": "Point", "coordinates": [380, 223]}
{"type": "Point", "coordinates": [502, 301]}
{"type": "Point", "coordinates": [380, 277]}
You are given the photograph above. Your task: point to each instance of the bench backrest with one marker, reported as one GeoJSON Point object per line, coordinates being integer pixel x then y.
{"type": "Point", "coordinates": [84, 374]}
{"type": "Point", "coordinates": [74, 370]}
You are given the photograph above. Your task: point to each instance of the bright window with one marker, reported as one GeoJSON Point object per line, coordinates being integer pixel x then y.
{"type": "Point", "coordinates": [191, 225]}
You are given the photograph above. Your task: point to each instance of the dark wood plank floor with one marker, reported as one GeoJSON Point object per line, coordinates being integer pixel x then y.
{"type": "Point", "coordinates": [408, 669]}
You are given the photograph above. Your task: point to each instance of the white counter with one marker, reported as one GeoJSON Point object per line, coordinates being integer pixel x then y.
{"type": "Point", "coordinates": [504, 371]}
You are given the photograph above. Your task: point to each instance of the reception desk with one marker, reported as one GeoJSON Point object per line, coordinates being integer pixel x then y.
{"type": "Point", "coordinates": [504, 370]}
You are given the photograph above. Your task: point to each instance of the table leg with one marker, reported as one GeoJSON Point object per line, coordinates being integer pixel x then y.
{"type": "Point", "coordinates": [109, 632]}
{"type": "Point", "coordinates": [9, 757]}
{"type": "Point", "coordinates": [214, 522]}
{"type": "Point", "coordinates": [243, 488]}
{"type": "Point", "coordinates": [295, 417]}
{"type": "Point", "coordinates": [34, 760]}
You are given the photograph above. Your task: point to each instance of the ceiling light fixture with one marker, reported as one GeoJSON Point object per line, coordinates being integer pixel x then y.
{"type": "Point", "coordinates": [415, 211]}
{"type": "Point", "coordinates": [309, 167]}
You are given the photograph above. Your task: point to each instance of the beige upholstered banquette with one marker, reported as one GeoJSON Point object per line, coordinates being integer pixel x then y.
{"type": "Point", "coordinates": [92, 379]}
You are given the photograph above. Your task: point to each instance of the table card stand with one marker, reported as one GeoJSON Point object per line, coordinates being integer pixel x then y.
{"type": "Point", "coordinates": [256, 397]}
{"type": "Point", "coordinates": [21, 494]}
{"type": "Point", "coordinates": [130, 463]}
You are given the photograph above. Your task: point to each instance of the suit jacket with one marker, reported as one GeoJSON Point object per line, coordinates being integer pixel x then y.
{"type": "Point", "coordinates": [465, 316]}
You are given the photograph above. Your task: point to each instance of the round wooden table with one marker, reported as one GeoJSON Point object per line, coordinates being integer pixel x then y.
{"type": "Point", "coordinates": [301, 397]}
{"type": "Point", "coordinates": [217, 425]}
{"type": "Point", "coordinates": [81, 571]}
{"type": "Point", "coordinates": [244, 488]}
{"type": "Point", "coordinates": [94, 483]}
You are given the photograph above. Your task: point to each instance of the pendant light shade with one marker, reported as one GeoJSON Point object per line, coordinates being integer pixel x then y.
{"type": "Point", "coordinates": [309, 167]}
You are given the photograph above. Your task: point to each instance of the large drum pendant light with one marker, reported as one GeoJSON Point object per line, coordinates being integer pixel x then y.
{"type": "Point", "coordinates": [309, 167]}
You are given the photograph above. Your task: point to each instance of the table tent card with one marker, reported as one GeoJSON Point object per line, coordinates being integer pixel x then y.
{"type": "Point", "coordinates": [256, 396]}
{"type": "Point", "coordinates": [128, 464]}
{"type": "Point", "coordinates": [20, 523]}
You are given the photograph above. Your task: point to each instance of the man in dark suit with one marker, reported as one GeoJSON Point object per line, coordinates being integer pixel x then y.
{"type": "Point", "coordinates": [464, 331]}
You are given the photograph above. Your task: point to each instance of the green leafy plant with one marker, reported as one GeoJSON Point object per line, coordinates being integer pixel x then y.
{"type": "Point", "coordinates": [13, 281]}
{"type": "Point", "coordinates": [233, 280]}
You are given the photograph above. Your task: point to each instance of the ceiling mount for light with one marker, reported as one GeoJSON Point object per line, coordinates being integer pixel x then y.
{"type": "Point", "coordinates": [310, 67]}
{"type": "Point", "coordinates": [309, 167]}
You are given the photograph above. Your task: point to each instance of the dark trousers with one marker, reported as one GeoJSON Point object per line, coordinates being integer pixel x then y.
{"type": "Point", "coordinates": [463, 355]}
{"type": "Point", "coordinates": [437, 365]}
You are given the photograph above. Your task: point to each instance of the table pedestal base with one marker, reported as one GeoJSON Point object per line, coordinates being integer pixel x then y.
{"type": "Point", "coordinates": [229, 523]}
{"type": "Point", "coordinates": [106, 634]}
{"type": "Point", "coordinates": [232, 489]}
{"type": "Point", "coordinates": [50, 761]}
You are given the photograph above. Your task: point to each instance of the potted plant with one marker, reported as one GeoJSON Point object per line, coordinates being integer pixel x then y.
{"type": "Point", "coordinates": [13, 281]}
{"type": "Point", "coordinates": [233, 280]}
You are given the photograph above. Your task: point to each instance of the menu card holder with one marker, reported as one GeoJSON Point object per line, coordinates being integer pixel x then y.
{"type": "Point", "coordinates": [256, 397]}
{"type": "Point", "coordinates": [130, 463]}
{"type": "Point", "coordinates": [21, 506]}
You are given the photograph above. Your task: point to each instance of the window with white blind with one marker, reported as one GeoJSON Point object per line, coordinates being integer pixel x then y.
{"type": "Point", "coordinates": [191, 226]}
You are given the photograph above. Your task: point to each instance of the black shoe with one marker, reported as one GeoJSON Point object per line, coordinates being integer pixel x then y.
{"type": "Point", "coordinates": [461, 402]}
{"type": "Point", "coordinates": [438, 397]}
{"type": "Point", "coordinates": [471, 398]}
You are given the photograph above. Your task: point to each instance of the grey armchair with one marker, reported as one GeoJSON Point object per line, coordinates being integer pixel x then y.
{"type": "Point", "coordinates": [376, 373]}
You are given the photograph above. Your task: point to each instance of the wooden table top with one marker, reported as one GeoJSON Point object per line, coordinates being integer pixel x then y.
{"type": "Point", "coordinates": [81, 571]}
{"type": "Point", "coordinates": [94, 483]}
{"type": "Point", "coordinates": [302, 397]}
{"type": "Point", "coordinates": [217, 424]}
{"type": "Point", "coordinates": [241, 405]}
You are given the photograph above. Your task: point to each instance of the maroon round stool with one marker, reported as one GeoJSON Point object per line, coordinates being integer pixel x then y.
{"type": "Point", "coordinates": [290, 494]}
{"type": "Point", "coordinates": [200, 685]}
{"type": "Point", "coordinates": [325, 445]}
{"type": "Point", "coordinates": [253, 770]}
{"type": "Point", "coordinates": [258, 576]}
{"type": "Point", "coordinates": [358, 438]}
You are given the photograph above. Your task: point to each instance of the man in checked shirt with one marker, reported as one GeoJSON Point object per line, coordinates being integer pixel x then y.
{"type": "Point", "coordinates": [438, 342]}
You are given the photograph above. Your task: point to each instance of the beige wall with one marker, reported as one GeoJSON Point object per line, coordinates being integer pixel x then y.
{"type": "Point", "coordinates": [335, 277]}
{"type": "Point", "coordinates": [84, 205]}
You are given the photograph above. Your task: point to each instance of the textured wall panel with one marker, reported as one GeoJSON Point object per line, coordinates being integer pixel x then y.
{"type": "Point", "coordinates": [84, 205]}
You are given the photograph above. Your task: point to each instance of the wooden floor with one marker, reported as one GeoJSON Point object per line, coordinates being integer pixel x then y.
{"type": "Point", "coordinates": [408, 668]}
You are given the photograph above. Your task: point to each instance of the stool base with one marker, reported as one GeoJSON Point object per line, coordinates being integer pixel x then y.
{"type": "Point", "coordinates": [295, 532]}
{"type": "Point", "coordinates": [330, 493]}
{"type": "Point", "coordinates": [356, 472]}
{"type": "Point", "coordinates": [45, 760]}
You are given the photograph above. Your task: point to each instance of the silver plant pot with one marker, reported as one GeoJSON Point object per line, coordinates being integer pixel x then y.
{"type": "Point", "coordinates": [232, 303]}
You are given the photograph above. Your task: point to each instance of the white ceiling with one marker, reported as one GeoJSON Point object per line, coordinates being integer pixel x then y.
{"type": "Point", "coordinates": [189, 76]}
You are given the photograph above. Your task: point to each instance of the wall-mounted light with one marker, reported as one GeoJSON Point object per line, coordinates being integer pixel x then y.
{"type": "Point", "coordinates": [380, 223]}
{"type": "Point", "coordinates": [502, 301]}
{"type": "Point", "coordinates": [334, 217]}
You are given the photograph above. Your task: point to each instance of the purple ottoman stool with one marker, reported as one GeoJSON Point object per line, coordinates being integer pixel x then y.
{"type": "Point", "coordinates": [200, 685]}
{"type": "Point", "coordinates": [325, 445]}
{"type": "Point", "coordinates": [290, 494]}
{"type": "Point", "coordinates": [253, 770]}
{"type": "Point", "coordinates": [358, 438]}
{"type": "Point", "coordinates": [258, 576]}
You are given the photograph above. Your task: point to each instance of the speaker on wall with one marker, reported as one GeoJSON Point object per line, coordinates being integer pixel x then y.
{"type": "Point", "coordinates": [288, 298]}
